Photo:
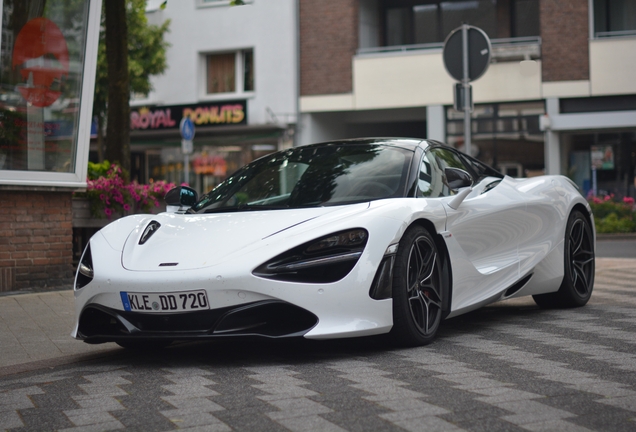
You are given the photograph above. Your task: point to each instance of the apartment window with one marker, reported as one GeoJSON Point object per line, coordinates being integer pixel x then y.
{"type": "Point", "coordinates": [614, 18]}
{"type": "Point", "coordinates": [430, 21]}
{"type": "Point", "coordinates": [230, 72]}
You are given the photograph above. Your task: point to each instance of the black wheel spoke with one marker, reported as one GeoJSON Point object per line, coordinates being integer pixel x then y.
{"type": "Point", "coordinates": [576, 237]}
{"type": "Point", "coordinates": [582, 285]}
{"type": "Point", "coordinates": [426, 313]}
{"type": "Point", "coordinates": [578, 281]}
{"type": "Point", "coordinates": [581, 257]}
{"type": "Point", "coordinates": [418, 288]}
{"type": "Point", "coordinates": [427, 271]}
{"type": "Point", "coordinates": [423, 285]}
{"type": "Point", "coordinates": [419, 311]}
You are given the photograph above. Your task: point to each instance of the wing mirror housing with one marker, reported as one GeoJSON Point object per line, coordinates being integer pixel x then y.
{"type": "Point", "coordinates": [458, 179]}
{"type": "Point", "coordinates": [182, 197]}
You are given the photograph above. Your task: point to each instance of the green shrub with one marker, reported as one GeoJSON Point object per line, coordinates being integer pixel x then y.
{"type": "Point", "coordinates": [611, 216]}
{"type": "Point", "coordinates": [612, 224]}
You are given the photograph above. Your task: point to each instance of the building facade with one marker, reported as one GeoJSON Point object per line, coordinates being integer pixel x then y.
{"type": "Point", "coordinates": [233, 71]}
{"type": "Point", "coordinates": [559, 96]}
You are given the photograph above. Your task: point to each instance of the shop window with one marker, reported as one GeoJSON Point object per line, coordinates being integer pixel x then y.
{"type": "Point", "coordinates": [43, 47]}
{"type": "Point", "coordinates": [614, 18]}
{"type": "Point", "coordinates": [425, 22]}
{"type": "Point", "coordinates": [230, 72]}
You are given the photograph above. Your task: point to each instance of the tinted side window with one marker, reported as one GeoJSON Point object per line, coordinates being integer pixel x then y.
{"type": "Point", "coordinates": [446, 158]}
{"type": "Point", "coordinates": [482, 170]}
{"type": "Point", "coordinates": [431, 182]}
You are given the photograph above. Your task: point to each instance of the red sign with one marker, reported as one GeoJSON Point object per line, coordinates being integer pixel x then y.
{"type": "Point", "coordinates": [41, 54]}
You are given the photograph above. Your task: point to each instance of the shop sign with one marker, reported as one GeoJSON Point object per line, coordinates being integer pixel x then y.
{"type": "Point", "coordinates": [602, 157]}
{"type": "Point", "coordinates": [204, 114]}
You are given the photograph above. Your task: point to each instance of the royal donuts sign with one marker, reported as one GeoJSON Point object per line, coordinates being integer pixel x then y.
{"type": "Point", "coordinates": [204, 114]}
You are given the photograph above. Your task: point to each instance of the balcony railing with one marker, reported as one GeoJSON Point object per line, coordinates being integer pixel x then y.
{"type": "Point", "coordinates": [611, 34]}
{"type": "Point", "coordinates": [509, 49]}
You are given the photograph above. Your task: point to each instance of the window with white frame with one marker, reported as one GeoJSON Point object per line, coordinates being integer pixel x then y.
{"type": "Point", "coordinates": [614, 18]}
{"type": "Point", "coordinates": [41, 91]}
{"type": "Point", "coordinates": [231, 72]}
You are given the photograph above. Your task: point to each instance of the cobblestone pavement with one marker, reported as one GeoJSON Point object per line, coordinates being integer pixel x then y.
{"type": "Point", "coordinates": [507, 367]}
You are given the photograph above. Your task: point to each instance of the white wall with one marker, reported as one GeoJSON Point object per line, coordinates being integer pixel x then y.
{"type": "Point", "coordinates": [400, 80]}
{"type": "Point", "coordinates": [613, 66]}
{"type": "Point", "coordinates": [266, 26]}
{"type": "Point", "coordinates": [320, 127]}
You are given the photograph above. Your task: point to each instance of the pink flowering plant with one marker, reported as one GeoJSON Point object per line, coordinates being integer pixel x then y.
{"type": "Point", "coordinates": [612, 215]}
{"type": "Point", "coordinates": [111, 195]}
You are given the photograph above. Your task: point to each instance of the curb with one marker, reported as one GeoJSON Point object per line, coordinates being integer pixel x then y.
{"type": "Point", "coordinates": [617, 236]}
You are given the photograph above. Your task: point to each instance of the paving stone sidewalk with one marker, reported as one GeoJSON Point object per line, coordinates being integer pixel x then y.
{"type": "Point", "coordinates": [35, 327]}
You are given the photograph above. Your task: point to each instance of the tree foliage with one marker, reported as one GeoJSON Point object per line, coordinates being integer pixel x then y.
{"type": "Point", "coordinates": [146, 56]}
{"type": "Point", "coordinates": [146, 47]}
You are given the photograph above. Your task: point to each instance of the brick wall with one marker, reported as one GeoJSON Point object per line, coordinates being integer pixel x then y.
{"type": "Point", "coordinates": [35, 240]}
{"type": "Point", "coordinates": [328, 42]}
{"type": "Point", "coordinates": [564, 40]}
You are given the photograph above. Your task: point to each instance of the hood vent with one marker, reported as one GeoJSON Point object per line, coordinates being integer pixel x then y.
{"type": "Point", "coordinates": [152, 227]}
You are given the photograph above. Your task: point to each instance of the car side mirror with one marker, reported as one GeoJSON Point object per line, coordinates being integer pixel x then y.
{"type": "Point", "coordinates": [181, 196]}
{"type": "Point", "coordinates": [458, 178]}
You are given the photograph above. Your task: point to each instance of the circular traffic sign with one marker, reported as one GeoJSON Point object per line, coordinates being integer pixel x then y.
{"type": "Point", "coordinates": [479, 52]}
{"type": "Point", "coordinates": [186, 127]}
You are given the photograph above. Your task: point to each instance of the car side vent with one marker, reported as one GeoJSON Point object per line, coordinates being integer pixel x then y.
{"type": "Point", "coordinates": [517, 286]}
{"type": "Point", "coordinates": [152, 227]}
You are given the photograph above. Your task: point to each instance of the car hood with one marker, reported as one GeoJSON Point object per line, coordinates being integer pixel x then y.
{"type": "Point", "coordinates": [185, 242]}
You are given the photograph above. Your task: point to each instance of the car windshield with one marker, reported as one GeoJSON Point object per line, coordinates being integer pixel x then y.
{"type": "Point", "coordinates": [312, 176]}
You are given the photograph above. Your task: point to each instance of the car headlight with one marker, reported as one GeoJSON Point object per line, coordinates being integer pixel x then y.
{"type": "Point", "coordinates": [84, 269]}
{"type": "Point", "coordinates": [324, 260]}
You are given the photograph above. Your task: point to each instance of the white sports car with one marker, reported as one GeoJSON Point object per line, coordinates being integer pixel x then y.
{"type": "Point", "coordinates": [339, 239]}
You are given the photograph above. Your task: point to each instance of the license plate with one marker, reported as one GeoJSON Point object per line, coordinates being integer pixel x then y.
{"type": "Point", "coordinates": [186, 301]}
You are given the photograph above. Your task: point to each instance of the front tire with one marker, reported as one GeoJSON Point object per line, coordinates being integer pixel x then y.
{"type": "Point", "coordinates": [417, 289]}
{"type": "Point", "coordinates": [579, 266]}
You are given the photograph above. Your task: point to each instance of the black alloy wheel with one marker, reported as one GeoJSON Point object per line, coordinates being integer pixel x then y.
{"type": "Point", "coordinates": [417, 289]}
{"type": "Point", "coordinates": [579, 266]}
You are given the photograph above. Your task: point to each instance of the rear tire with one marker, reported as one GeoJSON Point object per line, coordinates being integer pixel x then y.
{"type": "Point", "coordinates": [417, 289]}
{"type": "Point", "coordinates": [579, 266]}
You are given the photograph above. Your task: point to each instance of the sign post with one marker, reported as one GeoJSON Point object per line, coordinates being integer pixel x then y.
{"type": "Point", "coordinates": [467, 52]}
{"type": "Point", "coordinates": [186, 127]}
{"type": "Point", "coordinates": [467, 88]}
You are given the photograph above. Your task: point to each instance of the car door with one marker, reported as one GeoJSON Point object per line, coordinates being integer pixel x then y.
{"type": "Point", "coordinates": [483, 233]}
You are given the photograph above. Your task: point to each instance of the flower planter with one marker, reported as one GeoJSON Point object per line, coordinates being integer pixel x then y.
{"type": "Point", "coordinates": [82, 218]}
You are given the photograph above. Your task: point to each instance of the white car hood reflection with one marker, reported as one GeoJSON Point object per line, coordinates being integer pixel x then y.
{"type": "Point", "coordinates": [177, 244]}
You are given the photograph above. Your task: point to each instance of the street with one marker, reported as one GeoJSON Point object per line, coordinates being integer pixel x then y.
{"type": "Point", "coordinates": [609, 247]}
{"type": "Point", "coordinates": [510, 366]}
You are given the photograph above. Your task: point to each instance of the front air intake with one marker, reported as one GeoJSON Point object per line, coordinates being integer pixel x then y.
{"type": "Point", "coordinates": [151, 228]}
{"type": "Point", "coordinates": [85, 269]}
